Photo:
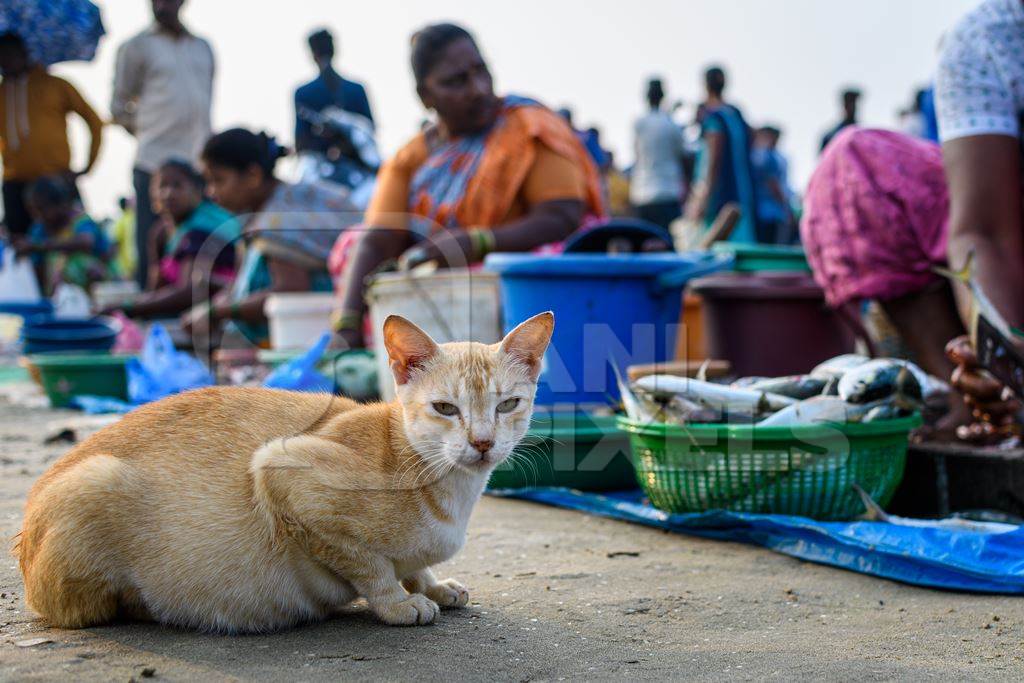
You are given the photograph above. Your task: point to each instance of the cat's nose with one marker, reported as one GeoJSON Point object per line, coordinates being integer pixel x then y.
{"type": "Point", "coordinates": [482, 445]}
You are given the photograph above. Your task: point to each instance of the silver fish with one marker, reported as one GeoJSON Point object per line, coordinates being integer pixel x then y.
{"type": "Point", "coordinates": [717, 396]}
{"type": "Point", "coordinates": [838, 366]}
{"type": "Point", "coordinates": [816, 410]}
{"type": "Point", "coordinates": [747, 382]}
{"type": "Point", "coordinates": [637, 410]}
{"type": "Point", "coordinates": [878, 379]}
{"type": "Point", "coordinates": [795, 386]}
{"type": "Point", "coordinates": [874, 513]}
{"type": "Point", "coordinates": [680, 411]}
{"type": "Point", "coordinates": [885, 410]}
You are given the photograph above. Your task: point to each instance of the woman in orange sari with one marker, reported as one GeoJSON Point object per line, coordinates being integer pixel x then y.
{"type": "Point", "coordinates": [493, 174]}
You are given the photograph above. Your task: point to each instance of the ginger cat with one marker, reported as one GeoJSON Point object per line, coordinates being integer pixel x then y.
{"type": "Point", "coordinates": [251, 509]}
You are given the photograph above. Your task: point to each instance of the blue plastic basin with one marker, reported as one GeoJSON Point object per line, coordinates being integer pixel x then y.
{"type": "Point", "coordinates": [69, 334]}
{"type": "Point", "coordinates": [27, 310]}
{"type": "Point", "coordinates": [621, 309]}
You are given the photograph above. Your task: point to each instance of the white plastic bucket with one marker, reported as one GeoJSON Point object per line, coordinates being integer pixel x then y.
{"type": "Point", "coordinates": [113, 293]}
{"type": "Point", "coordinates": [298, 319]}
{"type": "Point", "coordinates": [449, 305]}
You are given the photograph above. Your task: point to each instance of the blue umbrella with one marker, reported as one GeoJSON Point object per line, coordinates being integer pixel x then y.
{"type": "Point", "coordinates": [54, 30]}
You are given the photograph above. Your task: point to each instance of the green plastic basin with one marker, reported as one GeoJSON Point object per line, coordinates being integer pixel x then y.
{"type": "Point", "coordinates": [65, 375]}
{"type": "Point", "coordinates": [574, 450]}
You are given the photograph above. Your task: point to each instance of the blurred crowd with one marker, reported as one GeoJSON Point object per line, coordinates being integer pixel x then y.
{"type": "Point", "coordinates": [212, 228]}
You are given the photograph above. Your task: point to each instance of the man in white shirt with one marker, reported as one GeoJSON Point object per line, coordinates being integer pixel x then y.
{"type": "Point", "coordinates": [163, 90]}
{"type": "Point", "coordinates": [656, 185]}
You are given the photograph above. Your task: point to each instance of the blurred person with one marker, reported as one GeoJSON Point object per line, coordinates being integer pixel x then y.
{"type": "Point", "coordinates": [328, 89]}
{"type": "Point", "coordinates": [163, 92]}
{"type": "Point", "coordinates": [918, 120]}
{"type": "Point", "coordinates": [63, 242]}
{"type": "Point", "coordinates": [288, 230]}
{"type": "Point", "coordinates": [775, 219]}
{"type": "Point", "coordinates": [723, 173]}
{"type": "Point", "coordinates": [849, 99]}
{"type": "Point", "coordinates": [618, 185]}
{"type": "Point", "coordinates": [34, 106]}
{"type": "Point", "coordinates": [193, 241]}
{"type": "Point", "coordinates": [656, 186]}
{"type": "Point", "coordinates": [589, 138]}
{"type": "Point", "coordinates": [493, 174]}
{"type": "Point", "coordinates": [884, 209]}
{"type": "Point", "coordinates": [122, 233]}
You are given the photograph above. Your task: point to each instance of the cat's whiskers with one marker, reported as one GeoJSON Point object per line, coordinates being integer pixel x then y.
{"type": "Point", "coordinates": [430, 456]}
{"type": "Point", "coordinates": [439, 466]}
{"type": "Point", "coordinates": [528, 466]}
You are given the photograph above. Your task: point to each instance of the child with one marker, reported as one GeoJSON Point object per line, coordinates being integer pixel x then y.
{"type": "Point", "coordinates": [65, 244]}
{"type": "Point", "coordinates": [194, 236]}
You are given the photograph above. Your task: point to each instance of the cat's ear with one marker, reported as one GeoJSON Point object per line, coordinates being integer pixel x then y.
{"type": "Point", "coordinates": [408, 346]}
{"type": "Point", "coordinates": [529, 340]}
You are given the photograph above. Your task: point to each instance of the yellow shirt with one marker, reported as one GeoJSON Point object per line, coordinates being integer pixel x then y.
{"type": "Point", "coordinates": [123, 234]}
{"type": "Point", "coordinates": [33, 125]}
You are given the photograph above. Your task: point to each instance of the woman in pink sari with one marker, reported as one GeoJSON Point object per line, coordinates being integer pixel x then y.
{"type": "Point", "coordinates": [884, 210]}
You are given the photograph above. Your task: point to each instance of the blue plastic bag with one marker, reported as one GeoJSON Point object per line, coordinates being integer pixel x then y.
{"type": "Point", "coordinates": [162, 370]}
{"type": "Point", "coordinates": [101, 405]}
{"type": "Point", "coordinates": [929, 555]}
{"type": "Point", "coordinates": [300, 374]}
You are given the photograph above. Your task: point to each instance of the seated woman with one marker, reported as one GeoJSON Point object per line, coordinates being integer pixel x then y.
{"type": "Point", "coordinates": [883, 209]}
{"type": "Point", "coordinates": [493, 174]}
{"type": "Point", "coordinates": [64, 243]}
{"type": "Point", "coordinates": [288, 230]}
{"type": "Point", "coordinates": [194, 237]}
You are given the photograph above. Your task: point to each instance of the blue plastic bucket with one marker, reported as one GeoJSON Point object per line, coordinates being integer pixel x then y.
{"type": "Point", "coordinates": [69, 334]}
{"type": "Point", "coordinates": [621, 309]}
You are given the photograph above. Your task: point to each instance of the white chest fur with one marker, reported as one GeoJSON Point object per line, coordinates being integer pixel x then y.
{"type": "Point", "coordinates": [441, 539]}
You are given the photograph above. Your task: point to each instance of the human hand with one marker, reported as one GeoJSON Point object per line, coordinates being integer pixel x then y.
{"type": "Point", "coordinates": [448, 249]}
{"type": "Point", "coordinates": [991, 403]}
{"type": "Point", "coordinates": [196, 320]}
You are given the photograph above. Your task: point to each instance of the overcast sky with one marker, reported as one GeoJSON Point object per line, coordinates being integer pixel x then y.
{"type": "Point", "coordinates": [786, 60]}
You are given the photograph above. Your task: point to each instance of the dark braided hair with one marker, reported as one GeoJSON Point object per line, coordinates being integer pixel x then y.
{"type": "Point", "coordinates": [239, 149]}
{"type": "Point", "coordinates": [428, 44]}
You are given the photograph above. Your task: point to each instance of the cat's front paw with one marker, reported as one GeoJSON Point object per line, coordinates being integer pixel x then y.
{"type": "Point", "coordinates": [448, 593]}
{"type": "Point", "coordinates": [416, 610]}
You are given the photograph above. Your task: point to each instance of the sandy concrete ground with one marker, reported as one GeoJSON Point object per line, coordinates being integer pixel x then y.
{"type": "Point", "coordinates": [556, 595]}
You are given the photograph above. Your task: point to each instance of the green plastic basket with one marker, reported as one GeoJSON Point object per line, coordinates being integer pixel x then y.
{"type": "Point", "coordinates": [575, 450]}
{"type": "Point", "coordinates": [807, 470]}
{"type": "Point", "coordinates": [760, 258]}
{"type": "Point", "coordinates": [65, 375]}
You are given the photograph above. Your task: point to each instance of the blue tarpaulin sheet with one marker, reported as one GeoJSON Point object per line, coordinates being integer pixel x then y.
{"type": "Point", "coordinates": [935, 556]}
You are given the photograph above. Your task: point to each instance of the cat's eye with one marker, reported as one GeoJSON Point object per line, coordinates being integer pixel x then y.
{"type": "Point", "coordinates": [446, 409]}
{"type": "Point", "coordinates": [508, 405]}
